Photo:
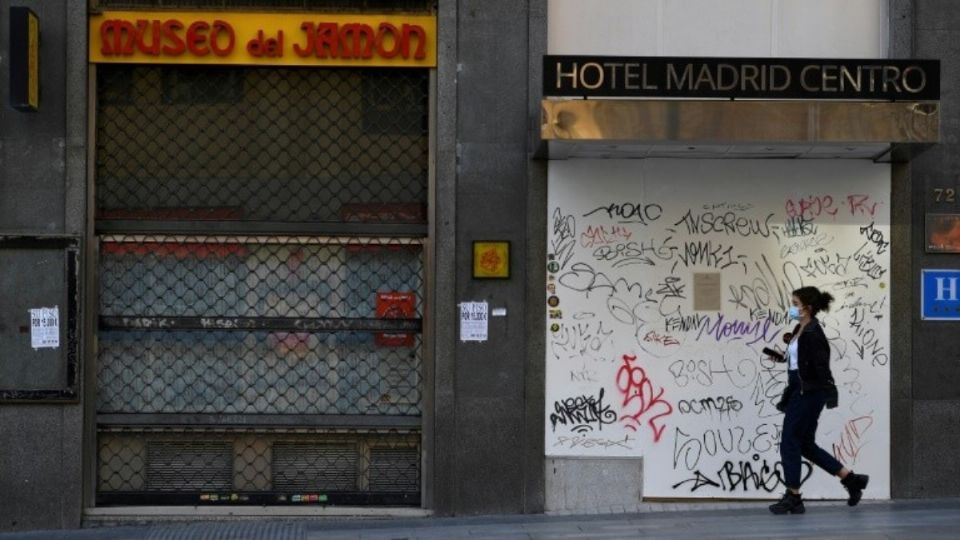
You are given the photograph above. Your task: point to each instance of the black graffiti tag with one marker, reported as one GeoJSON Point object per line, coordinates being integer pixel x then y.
{"type": "Point", "coordinates": [583, 413]}
{"type": "Point", "coordinates": [629, 212]}
{"type": "Point", "coordinates": [745, 476]}
{"type": "Point", "coordinates": [875, 236]}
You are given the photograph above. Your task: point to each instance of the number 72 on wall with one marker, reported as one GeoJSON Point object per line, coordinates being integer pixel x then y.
{"type": "Point", "coordinates": [944, 194]}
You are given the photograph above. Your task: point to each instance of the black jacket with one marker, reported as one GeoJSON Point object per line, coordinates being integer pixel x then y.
{"type": "Point", "coordinates": [813, 363]}
{"type": "Point", "coordinates": [813, 357]}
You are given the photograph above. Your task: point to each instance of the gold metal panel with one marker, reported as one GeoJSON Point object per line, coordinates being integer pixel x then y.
{"type": "Point", "coordinates": [733, 122]}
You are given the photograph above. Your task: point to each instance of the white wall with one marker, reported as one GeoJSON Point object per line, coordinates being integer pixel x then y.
{"type": "Point", "coordinates": [744, 28]}
{"type": "Point", "coordinates": [634, 367]}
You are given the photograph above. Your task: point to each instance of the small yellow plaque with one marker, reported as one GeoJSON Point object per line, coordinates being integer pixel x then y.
{"type": "Point", "coordinates": [33, 62]}
{"type": "Point", "coordinates": [24, 59]}
{"type": "Point", "coordinates": [491, 259]}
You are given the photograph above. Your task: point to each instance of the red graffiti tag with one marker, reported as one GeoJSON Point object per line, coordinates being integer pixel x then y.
{"type": "Point", "coordinates": [852, 439]}
{"type": "Point", "coordinates": [639, 398]}
{"type": "Point", "coordinates": [665, 340]}
{"type": "Point", "coordinates": [818, 205]}
{"type": "Point", "coordinates": [602, 236]}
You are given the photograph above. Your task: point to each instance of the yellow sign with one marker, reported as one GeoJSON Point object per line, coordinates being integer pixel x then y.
{"type": "Point", "coordinates": [24, 59]}
{"type": "Point", "coordinates": [33, 61]}
{"type": "Point", "coordinates": [256, 39]}
{"type": "Point", "coordinates": [491, 259]}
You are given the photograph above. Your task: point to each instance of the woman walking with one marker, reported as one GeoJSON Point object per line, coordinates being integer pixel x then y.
{"type": "Point", "coordinates": [810, 387]}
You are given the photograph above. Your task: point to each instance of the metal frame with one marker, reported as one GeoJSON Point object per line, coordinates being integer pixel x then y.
{"type": "Point", "coordinates": [90, 301]}
{"type": "Point", "coordinates": [258, 420]}
{"type": "Point", "coordinates": [273, 324]}
{"type": "Point", "coordinates": [427, 336]}
{"type": "Point", "coordinates": [257, 227]}
{"type": "Point", "coordinates": [885, 131]}
{"type": "Point", "coordinates": [121, 230]}
{"type": "Point", "coordinates": [70, 393]}
{"type": "Point", "coordinates": [341, 498]}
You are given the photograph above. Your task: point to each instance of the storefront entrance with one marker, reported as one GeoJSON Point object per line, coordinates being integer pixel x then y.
{"type": "Point", "coordinates": [261, 284]}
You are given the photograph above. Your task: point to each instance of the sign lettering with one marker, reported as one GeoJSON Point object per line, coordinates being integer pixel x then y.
{"type": "Point", "coordinates": [773, 78]}
{"type": "Point", "coordinates": [259, 39]}
{"type": "Point", "coordinates": [946, 289]}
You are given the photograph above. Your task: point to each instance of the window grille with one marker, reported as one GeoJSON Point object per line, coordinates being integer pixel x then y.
{"type": "Point", "coordinates": [262, 144]}
{"type": "Point", "coordinates": [261, 278]}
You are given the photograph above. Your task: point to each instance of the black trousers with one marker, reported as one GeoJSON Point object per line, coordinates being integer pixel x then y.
{"type": "Point", "coordinates": [800, 433]}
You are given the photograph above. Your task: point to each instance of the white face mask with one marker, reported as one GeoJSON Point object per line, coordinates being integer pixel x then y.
{"type": "Point", "coordinates": [794, 313]}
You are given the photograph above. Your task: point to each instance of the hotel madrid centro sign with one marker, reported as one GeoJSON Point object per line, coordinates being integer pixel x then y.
{"type": "Point", "coordinates": [141, 37]}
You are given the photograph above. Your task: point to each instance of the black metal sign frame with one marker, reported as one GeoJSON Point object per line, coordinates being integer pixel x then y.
{"type": "Point", "coordinates": [272, 498]}
{"type": "Point", "coordinates": [741, 78]}
{"type": "Point", "coordinates": [272, 324]}
{"type": "Point", "coordinates": [70, 391]}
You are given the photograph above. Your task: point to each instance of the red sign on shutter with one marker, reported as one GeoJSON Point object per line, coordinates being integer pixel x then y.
{"type": "Point", "coordinates": [395, 305]}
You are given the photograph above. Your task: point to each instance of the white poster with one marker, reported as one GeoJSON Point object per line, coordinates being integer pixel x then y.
{"type": "Point", "coordinates": [473, 321]}
{"type": "Point", "coordinates": [45, 327]}
{"type": "Point", "coordinates": [634, 368]}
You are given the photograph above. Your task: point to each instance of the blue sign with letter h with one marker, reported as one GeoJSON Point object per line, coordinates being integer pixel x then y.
{"type": "Point", "coordinates": [940, 295]}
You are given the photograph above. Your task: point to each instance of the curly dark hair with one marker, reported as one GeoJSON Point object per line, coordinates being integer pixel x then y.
{"type": "Point", "coordinates": [814, 298]}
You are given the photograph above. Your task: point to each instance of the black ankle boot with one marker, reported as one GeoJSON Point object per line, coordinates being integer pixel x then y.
{"type": "Point", "coordinates": [855, 484]}
{"type": "Point", "coordinates": [790, 503]}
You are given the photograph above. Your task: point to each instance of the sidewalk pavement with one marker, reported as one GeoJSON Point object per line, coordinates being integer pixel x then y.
{"type": "Point", "coordinates": [902, 519]}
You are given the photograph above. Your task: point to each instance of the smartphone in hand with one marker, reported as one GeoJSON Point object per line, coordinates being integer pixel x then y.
{"type": "Point", "coordinates": [773, 354]}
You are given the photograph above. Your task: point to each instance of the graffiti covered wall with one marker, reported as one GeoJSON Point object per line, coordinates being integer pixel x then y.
{"type": "Point", "coordinates": [665, 280]}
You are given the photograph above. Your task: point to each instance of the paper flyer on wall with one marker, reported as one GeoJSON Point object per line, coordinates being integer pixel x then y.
{"type": "Point", "coordinates": [45, 327]}
{"type": "Point", "coordinates": [473, 321]}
